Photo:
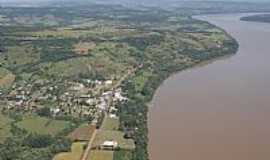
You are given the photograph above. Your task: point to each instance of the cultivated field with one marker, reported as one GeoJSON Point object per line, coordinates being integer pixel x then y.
{"type": "Point", "coordinates": [6, 78]}
{"type": "Point", "coordinates": [4, 127]}
{"type": "Point", "coordinates": [122, 155]}
{"type": "Point", "coordinates": [118, 136]}
{"type": "Point", "coordinates": [101, 155]}
{"type": "Point", "coordinates": [83, 133]}
{"type": "Point", "coordinates": [75, 154]}
{"type": "Point", "coordinates": [110, 124]}
{"type": "Point", "coordinates": [42, 125]}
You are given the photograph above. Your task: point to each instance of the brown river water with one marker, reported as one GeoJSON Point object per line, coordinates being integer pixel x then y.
{"type": "Point", "coordinates": [220, 111]}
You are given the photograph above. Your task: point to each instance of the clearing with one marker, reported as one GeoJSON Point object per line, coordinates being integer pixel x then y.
{"type": "Point", "coordinates": [83, 133]}
{"type": "Point", "coordinates": [75, 154]}
{"type": "Point", "coordinates": [110, 124]}
{"type": "Point", "coordinates": [118, 136]}
{"type": "Point", "coordinates": [5, 127]}
{"type": "Point", "coordinates": [101, 155]}
{"type": "Point", "coordinates": [41, 125]}
{"type": "Point", "coordinates": [6, 78]}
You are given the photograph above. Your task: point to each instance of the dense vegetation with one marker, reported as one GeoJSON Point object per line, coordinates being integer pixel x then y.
{"type": "Point", "coordinates": [55, 45]}
{"type": "Point", "coordinates": [257, 18]}
{"type": "Point", "coordinates": [25, 145]}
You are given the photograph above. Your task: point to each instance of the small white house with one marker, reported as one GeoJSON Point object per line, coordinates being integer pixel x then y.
{"type": "Point", "coordinates": [109, 82]}
{"type": "Point", "coordinates": [114, 116]}
{"type": "Point", "coordinates": [109, 145]}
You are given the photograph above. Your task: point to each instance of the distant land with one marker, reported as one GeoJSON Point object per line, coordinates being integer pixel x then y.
{"type": "Point", "coordinates": [257, 18]}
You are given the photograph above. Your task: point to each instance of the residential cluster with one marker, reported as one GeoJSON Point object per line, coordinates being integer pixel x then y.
{"type": "Point", "coordinates": [84, 99]}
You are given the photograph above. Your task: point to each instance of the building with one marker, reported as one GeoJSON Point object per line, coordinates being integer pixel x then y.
{"type": "Point", "coordinates": [109, 145]}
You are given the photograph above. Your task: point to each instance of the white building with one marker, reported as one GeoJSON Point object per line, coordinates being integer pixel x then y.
{"type": "Point", "coordinates": [109, 145]}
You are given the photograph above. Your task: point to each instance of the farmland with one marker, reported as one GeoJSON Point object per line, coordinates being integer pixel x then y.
{"type": "Point", "coordinates": [5, 127]}
{"type": "Point", "coordinates": [40, 125]}
{"type": "Point", "coordinates": [110, 124]}
{"type": "Point", "coordinates": [101, 155]}
{"type": "Point", "coordinates": [82, 133]}
{"type": "Point", "coordinates": [75, 154]}
{"type": "Point", "coordinates": [6, 78]}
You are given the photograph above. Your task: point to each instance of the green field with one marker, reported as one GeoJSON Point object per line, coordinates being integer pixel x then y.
{"type": "Point", "coordinates": [101, 155]}
{"type": "Point", "coordinates": [42, 125]}
{"type": "Point", "coordinates": [6, 78]}
{"type": "Point", "coordinates": [118, 136]}
{"type": "Point", "coordinates": [122, 155]}
{"type": "Point", "coordinates": [75, 154]}
{"type": "Point", "coordinates": [26, 53]}
{"type": "Point", "coordinates": [4, 128]}
{"type": "Point", "coordinates": [110, 124]}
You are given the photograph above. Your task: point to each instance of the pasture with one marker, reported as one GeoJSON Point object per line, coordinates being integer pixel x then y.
{"type": "Point", "coordinates": [110, 124]}
{"type": "Point", "coordinates": [75, 154]}
{"type": "Point", "coordinates": [107, 135]}
{"type": "Point", "coordinates": [6, 78]}
{"type": "Point", "coordinates": [41, 125]}
{"type": "Point", "coordinates": [83, 133]}
{"type": "Point", "coordinates": [5, 127]}
{"type": "Point", "coordinates": [101, 155]}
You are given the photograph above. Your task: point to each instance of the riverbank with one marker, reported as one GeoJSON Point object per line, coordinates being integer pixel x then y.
{"type": "Point", "coordinates": [137, 108]}
{"type": "Point", "coordinates": [212, 112]}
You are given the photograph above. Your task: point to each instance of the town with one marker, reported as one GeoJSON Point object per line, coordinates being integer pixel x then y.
{"type": "Point", "coordinates": [84, 100]}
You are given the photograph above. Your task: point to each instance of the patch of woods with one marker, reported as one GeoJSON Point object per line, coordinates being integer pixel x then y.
{"type": "Point", "coordinates": [31, 146]}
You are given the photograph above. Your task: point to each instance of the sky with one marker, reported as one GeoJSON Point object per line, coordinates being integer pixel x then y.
{"type": "Point", "coordinates": [25, 2]}
{"type": "Point", "coordinates": [133, 0]}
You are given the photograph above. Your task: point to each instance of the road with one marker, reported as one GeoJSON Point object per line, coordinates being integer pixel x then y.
{"type": "Point", "coordinates": [86, 153]}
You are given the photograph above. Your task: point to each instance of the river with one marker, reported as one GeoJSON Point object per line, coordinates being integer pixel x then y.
{"type": "Point", "coordinates": [220, 111]}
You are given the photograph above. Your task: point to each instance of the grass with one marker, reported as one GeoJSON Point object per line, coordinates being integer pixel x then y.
{"type": "Point", "coordinates": [26, 55]}
{"type": "Point", "coordinates": [66, 33]}
{"type": "Point", "coordinates": [105, 135]}
{"type": "Point", "coordinates": [110, 124]}
{"type": "Point", "coordinates": [83, 133]}
{"type": "Point", "coordinates": [6, 78]}
{"type": "Point", "coordinates": [87, 65]}
{"type": "Point", "coordinates": [4, 128]}
{"type": "Point", "coordinates": [101, 155]}
{"type": "Point", "coordinates": [42, 125]}
{"type": "Point", "coordinates": [122, 155]}
{"type": "Point", "coordinates": [75, 154]}
{"type": "Point", "coordinates": [94, 30]}
{"type": "Point", "coordinates": [141, 79]}
{"type": "Point", "coordinates": [83, 48]}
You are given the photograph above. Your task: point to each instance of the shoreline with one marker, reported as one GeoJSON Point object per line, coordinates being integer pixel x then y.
{"type": "Point", "coordinates": [195, 66]}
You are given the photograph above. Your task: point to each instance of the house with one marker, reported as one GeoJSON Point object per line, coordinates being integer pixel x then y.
{"type": "Point", "coordinates": [114, 116]}
{"type": "Point", "coordinates": [97, 82]}
{"type": "Point", "coordinates": [55, 111]}
{"type": "Point", "coordinates": [77, 87]}
{"type": "Point", "coordinates": [109, 145]}
{"type": "Point", "coordinates": [91, 101]}
{"type": "Point", "coordinates": [109, 82]}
